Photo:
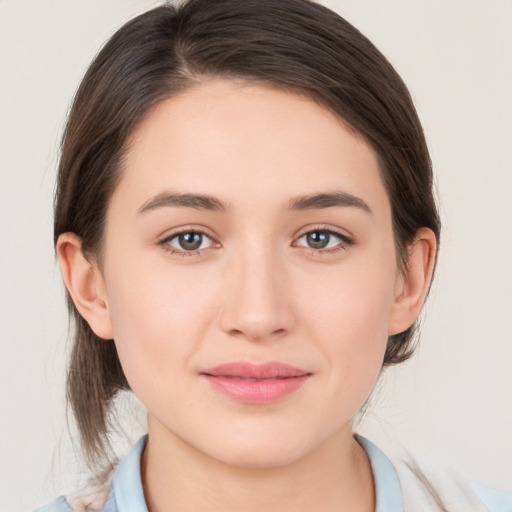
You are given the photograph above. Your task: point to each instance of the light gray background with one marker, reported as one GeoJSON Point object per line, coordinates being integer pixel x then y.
{"type": "Point", "coordinates": [452, 401]}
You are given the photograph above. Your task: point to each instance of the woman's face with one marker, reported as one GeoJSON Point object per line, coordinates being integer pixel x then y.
{"type": "Point", "coordinates": [286, 255]}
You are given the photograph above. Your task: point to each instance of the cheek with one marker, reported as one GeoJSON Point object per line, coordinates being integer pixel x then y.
{"type": "Point", "coordinates": [348, 314]}
{"type": "Point", "coordinates": [351, 304]}
{"type": "Point", "coordinates": [158, 318]}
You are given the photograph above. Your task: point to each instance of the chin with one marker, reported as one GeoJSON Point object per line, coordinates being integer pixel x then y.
{"type": "Point", "coordinates": [258, 453]}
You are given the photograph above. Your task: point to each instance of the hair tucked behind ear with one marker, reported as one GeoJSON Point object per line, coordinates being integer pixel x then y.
{"type": "Point", "coordinates": [294, 45]}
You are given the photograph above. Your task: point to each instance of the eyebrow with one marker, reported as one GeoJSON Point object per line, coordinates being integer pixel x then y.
{"type": "Point", "coordinates": [314, 201]}
{"type": "Point", "coordinates": [173, 199]}
{"type": "Point", "coordinates": [327, 200]}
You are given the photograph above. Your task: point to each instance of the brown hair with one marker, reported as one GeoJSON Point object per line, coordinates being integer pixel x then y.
{"type": "Point", "coordinates": [294, 45]}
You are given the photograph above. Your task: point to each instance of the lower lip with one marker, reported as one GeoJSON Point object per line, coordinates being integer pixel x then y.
{"type": "Point", "coordinates": [256, 392]}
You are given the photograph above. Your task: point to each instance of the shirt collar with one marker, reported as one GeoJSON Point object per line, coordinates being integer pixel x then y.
{"type": "Point", "coordinates": [129, 495]}
{"type": "Point", "coordinates": [127, 484]}
{"type": "Point", "coordinates": [388, 493]}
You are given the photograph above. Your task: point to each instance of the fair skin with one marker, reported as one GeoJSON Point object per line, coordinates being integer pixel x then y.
{"type": "Point", "coordinates": [255, 290]}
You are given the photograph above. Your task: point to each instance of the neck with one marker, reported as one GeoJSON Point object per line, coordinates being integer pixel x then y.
{"type": "Point", "coordinates": [177, 477]}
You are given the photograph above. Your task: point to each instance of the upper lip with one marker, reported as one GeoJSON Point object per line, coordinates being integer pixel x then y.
{"type": "Point", "coordinates": [270, 370]}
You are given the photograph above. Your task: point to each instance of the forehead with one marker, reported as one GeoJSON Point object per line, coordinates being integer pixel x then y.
{"type": "Point", "coordinates": [246, 142]}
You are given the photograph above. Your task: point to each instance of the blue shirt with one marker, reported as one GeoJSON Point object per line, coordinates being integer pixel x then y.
{"type": "Point", "coordinates": [126, 494]}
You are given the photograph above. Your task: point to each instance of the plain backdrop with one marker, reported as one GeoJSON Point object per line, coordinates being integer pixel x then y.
{"type": "Point", "coordinates": [452, 402]}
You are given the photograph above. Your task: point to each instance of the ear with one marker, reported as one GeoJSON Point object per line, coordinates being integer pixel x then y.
{"type": "Point", "coordinates": [413, 283]}
{"type": "Point", "coordinates": [85, 284]}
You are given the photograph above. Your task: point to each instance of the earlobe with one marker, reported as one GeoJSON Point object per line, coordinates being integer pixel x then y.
{"type": "Point", "coordinates": [413, 284]}
{"type": "Point", "coordinates": [85, 284]}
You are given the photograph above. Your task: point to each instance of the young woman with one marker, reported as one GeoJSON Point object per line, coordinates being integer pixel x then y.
{"type": "Point", "coordinates": [247, 232]}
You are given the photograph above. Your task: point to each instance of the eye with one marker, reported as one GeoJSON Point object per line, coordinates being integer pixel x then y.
{"type": "Point", "coordinates": [324, 240]}
{"type": "Point", "coordinates": [187, 242]}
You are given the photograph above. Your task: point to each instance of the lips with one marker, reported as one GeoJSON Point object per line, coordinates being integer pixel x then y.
{"type": "Point", "coordinates": [247, 371]}
{"type": "Point", "coordinates": [256, 384]}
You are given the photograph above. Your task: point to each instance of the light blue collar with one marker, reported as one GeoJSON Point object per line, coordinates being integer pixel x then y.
{"type": "Point", "coordinates": [129, 496]}
{"type": "Point", "coordinates": [387, 487]}
{"type": "Point", "coordinates": [127, 485]}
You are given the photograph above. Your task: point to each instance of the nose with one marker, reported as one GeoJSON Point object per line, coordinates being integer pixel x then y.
{"type": "Point", "coordinates": [257, 302]}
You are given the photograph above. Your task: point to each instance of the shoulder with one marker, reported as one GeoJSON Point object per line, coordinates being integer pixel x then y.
{"type": "Point", "coordinates": [58, 505]}
{"type": "Point", "coordinates": [80, 502]}
{"type": "Point", "coordinates": [442, 488]}
{"type": "Point", "coordinates": [406, 484]}
{"type": "Point", "coordinates": [95, 496]}
{"type": "Point", "coordinates": [120, 489]}
{"type": "Point", "coordinates": [496, 501]}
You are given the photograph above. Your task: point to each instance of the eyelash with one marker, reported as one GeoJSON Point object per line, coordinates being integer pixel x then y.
{"type": "Point", "coordinates": [345, 241]}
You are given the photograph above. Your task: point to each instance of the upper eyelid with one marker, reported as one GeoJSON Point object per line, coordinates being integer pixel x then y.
{"type": "Point", "coordinates": [343, 234]}
{"type": "Point", "coordinates": [180, 231]}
